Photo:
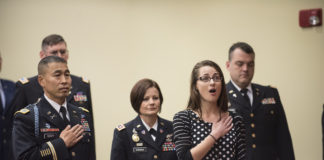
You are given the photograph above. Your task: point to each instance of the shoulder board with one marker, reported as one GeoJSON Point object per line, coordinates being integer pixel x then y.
{"type": "Point", "coordinates": [120, 127]}
{"type": "Point", "coordinates": [85, 110]}
{"type": "Point", "coordinates": [272, 86]}
{"type": "Point", "coordinates": [23, 111]}
{"type": "Point", "coordinates": [85, 80]}
{"type": "Point", "coordinates": [23, 80]}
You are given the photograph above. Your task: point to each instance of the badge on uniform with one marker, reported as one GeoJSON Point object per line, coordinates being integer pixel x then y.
{"type": "Point", "coordinates": [85, 124]}
{"type": "Point", "coordinates": [80, 97]}
{"type": "Point", "coordinates": [135, 136]}
{"type": "Point", "coordinates": [268, 101]}
{"type": "Point", "coordinates": [168, 146]}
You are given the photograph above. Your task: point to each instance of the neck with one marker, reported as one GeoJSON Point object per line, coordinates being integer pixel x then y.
{"type": "Point", "coordinates": [210, 111]}
{"type": "Point", "coordinates": [149, 120]}
{"type": "Point", "coordinates": [59, 101]}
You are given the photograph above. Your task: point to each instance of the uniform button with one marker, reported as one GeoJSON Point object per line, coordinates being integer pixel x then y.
{"type": "Point", "coordinates": [253, 135]}
{"type": "Point", "coordinates": [73, 154]}
{"type": "Point", "coordinates": [3, 117]}
{"type": "Point", "coordinates": [251, 115]}
{"type": "Point", "coordinates": [88, 140]}
{"type": "Point", "coordinates": [252, 125]}
{"type": "Point", "coordinates": [253, 146]}
{"type": "Point", "coordinates": [4, 130]}
{"type": "Point", "coordinates": [155, 157]}
{"type": "Point", "coordinates": [272, 112]}
{"type": "Point", "coordinates": [4, 141]}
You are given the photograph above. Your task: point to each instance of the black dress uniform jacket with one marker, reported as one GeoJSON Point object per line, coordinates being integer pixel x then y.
{"type": "Point", "coordinates": [132, 141]}
{"type": "Point", "coordinates": [267, 133]}
{"type": "Point", "coordinates": [28, 91]}
{"type": "Point", "coordinates": [35, 142]}
{"type": "Point", "coordinates": [8, 88]}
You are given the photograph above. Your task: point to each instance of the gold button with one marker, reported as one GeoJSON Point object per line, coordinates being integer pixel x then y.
{"type": "Point", "coordinates": [251, 115]}
{"type": "Point", "coordinates": [4, 141]}
{"type": "Point", "coordinates": [253, 146]}
{"type": "Point", "coordinates": [155, 157]}
{"type": "Point", "coordinates": [3, 117]}
{"type": "Point", "coordinates": [73, 154]}
{"type": "Point", "coordinates": [272, 112]}
{"type": "Point", "coordinates": [252, 125]}
{"type": "Point", "coordinates": [253, 135]}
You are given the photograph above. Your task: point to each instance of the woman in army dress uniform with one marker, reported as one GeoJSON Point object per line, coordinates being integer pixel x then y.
{"type": "Point", "coordinates": [148, 136]}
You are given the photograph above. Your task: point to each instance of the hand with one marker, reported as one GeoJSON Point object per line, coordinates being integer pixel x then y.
{"type": "Point", "coordinates": [73, 135]}
{"type": "Point", "coordinates": [219, 129]}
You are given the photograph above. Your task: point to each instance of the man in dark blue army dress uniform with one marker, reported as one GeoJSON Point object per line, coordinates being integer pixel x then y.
{"type": "Point", "coordinates": [29, 90]}
{"type": "Point", "coordinates": [134, 139]}
{"type": "Point", "coordinates": [7, 91]}
{"type": "Point", "coordinates": [53, 128]}
{"type": "Point", "coordinates": [267, 132]}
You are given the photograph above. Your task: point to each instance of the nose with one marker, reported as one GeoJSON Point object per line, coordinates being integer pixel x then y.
{"type": "Point", "coordinates": [245, 67]}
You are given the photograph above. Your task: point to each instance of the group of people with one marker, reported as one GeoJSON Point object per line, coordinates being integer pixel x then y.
{"type": "Point", "coordinates": [49, 116]}
{"type": "Point", "coordinates": [234, 121]}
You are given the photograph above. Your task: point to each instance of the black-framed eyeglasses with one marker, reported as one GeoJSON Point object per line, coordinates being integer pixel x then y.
{"type": "Point", "coordinates": [62, 51]}
{"type": "Point", "coordinates": [215, 78]}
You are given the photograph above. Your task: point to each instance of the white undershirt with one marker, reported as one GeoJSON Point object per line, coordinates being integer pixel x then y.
{"type": "Point", "coordinates": [148, 127]}
{"type": "Point", "coordinates": [249, 92]}
{"type": "Point", "coordinates": [57, 107]}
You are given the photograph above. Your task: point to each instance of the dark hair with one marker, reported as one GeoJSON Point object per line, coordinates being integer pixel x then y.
{"type": "Point", "coordinates": [52, 39]}
{"type": "Point", "coordinates": [194, 100]}
{"type": "Point", "coordinates": [138, 92]}
{"type": "Point", "coordinates": [242, 45]}
{"type": "Point", "coordinates": [45, 61]}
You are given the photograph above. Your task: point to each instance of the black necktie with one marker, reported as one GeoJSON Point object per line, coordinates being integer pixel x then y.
{"type": "Point", "coordinates": [152, 132]}
{"type": "Point", "coordinates": [63, 111]}
{"type": "Point", "coordinates": [244, 94]}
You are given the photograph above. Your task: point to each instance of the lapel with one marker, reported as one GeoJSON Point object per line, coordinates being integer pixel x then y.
{"type": "Point", "coordinates": [235, 96]}
{"type": "Point", "coordinates": [257, 96]}
{"type": "Point", "coordinates": [47, 112]}
{"type": "Point", "coordinates": [74, 116]}
{"type": "Point", "coordinates": [144, 134]}
{"type": "Point", "coordinates": [9, 92]}
{"type": "Point", "coordinates": [161, 132]}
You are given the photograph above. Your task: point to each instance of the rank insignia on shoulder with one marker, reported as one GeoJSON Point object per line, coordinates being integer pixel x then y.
{"type": "Point", "coordinates": [85, 110]}
{"type": "Point", "coordinates": [85, 80]}
{"type": "Point", "coordinates": [23, 111]}
{"type": "Point", "coordinates": [120, 127]}
{"type": "Point", "coordinates": [272, 86]}
{"type": "Point", "coordinates": [23, 80]}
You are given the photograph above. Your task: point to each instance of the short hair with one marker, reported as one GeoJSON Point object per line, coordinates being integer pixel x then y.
{"type": "Point", "coordinates": [138, 92]}
{"type": "Point", "coordinates": [194, 99]}
{"type": "Point", "coordinates": [45, 61]}
{"type": "Point", "coordinates": [242, 45]}
{"type": "Point", "coordinates": [52, 39]}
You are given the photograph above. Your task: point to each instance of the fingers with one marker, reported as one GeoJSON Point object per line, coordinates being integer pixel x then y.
{"type": "Point", "coordinates": [67, 128]}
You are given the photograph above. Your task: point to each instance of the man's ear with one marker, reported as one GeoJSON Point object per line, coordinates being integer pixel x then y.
{"type": "Point", "coordinates": [42, 54]}
{"type": "Point", "coordinates": [41, 80]}
{"type": "Point", "coordinates": [227, 64]}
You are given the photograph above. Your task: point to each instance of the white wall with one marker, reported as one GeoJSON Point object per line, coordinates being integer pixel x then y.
{"type": "Point", "coordinates": [117, 42]}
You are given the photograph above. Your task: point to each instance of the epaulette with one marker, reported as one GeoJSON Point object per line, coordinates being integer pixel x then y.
{"type": "Point", "coordinates": [23, 80]}
{"type": "Point", "coordinates": [23, 111]}
{"type": "Point", "coordinates": [272, 86]}
{"type": "Point", "coordinates": [84, 109]}
{"type": "Point", "coordinates": [120, 127]}
{"type": "Point", "coordinates": [85, 80]}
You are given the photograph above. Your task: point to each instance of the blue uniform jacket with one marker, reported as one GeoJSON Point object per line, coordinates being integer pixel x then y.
{"type": "Point", "coordinates": [35, 140]}
{"type": "Point", "coordinates": [267, 132]}
{"type": "Point", "coordinates": [133, 142]}
{"type": "Point", "coordinates": [9, 91]}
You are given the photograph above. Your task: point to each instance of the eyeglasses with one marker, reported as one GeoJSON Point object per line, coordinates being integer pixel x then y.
{"type": "Point", "coordinates": [215, 78]}
{"type": "Point", "coordinates": [62, 51]}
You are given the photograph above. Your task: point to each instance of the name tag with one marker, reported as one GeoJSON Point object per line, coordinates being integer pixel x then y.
{"type": "Point", "coordinates": [49, 135]}
{"type": "Point", "coordinates": [139, 149]}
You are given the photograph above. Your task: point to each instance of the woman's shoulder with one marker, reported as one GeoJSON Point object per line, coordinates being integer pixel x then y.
{"type": "Point", "coordinates": [236, 117]}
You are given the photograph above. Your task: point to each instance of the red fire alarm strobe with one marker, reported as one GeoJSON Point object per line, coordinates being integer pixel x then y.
{"type": "Point", "coordinates": [310, 17]}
